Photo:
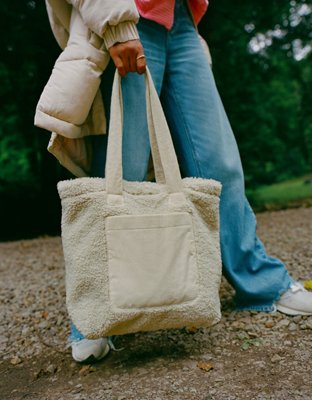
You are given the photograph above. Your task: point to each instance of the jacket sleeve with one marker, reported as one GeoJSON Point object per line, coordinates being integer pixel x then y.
{"type": "Point", "coordinates": [65, 103]}
{"type": "Point", "coordinates": [113, 20]}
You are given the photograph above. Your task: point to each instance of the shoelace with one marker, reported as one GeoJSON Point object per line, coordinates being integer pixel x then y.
{"type": "Point", "coordinates": [296, 287]}
{"type": "Point", "coordinates": [111, 344]}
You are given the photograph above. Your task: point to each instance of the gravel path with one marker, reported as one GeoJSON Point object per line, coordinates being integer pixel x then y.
{"type": "Point", "coordinates": [248, 355]}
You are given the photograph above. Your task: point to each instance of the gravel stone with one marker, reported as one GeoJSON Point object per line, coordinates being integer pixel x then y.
{"type": "Point", "coordinates": [255, 355]}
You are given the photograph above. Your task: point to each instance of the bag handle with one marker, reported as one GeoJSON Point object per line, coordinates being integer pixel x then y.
{"type": "Point", "coordinates": [164, 157]}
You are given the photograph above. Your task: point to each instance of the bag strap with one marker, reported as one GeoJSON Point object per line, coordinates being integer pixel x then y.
{"type": "Point", "coordinates": [164, 157]}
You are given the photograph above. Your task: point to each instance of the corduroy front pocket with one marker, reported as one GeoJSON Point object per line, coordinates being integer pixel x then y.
{"type": "Point", "coordinates": [151, 260]}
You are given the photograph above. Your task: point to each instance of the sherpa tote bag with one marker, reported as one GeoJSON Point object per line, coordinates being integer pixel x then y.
{"type": "Point", "coordinates": [141, 256]}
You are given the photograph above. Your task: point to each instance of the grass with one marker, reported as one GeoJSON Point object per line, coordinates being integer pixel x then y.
{"type": "Point", "coordinates": [288, 194]}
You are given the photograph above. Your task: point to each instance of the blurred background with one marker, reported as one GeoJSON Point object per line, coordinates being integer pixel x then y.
{"type": "Point", "coordinates": [261, 52]}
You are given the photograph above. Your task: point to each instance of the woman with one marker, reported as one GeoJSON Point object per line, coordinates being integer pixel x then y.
{"type": "Point", "coordinates": [166, 39]}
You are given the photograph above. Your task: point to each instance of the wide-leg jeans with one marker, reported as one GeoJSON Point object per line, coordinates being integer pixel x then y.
{"type": "Point", "coordinates": [205, 146]}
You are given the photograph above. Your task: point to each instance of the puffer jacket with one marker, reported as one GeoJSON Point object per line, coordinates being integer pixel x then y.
{"type": "Point", "coordinates": [71, 104]}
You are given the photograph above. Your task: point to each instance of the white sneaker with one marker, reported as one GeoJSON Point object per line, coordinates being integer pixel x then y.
{"type": "Point", "coordinates": [90, 350]}
{"type": "Point", "coordinates": [296, 301]}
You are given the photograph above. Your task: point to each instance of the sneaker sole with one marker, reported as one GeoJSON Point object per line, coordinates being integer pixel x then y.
{"type": "Point", "coordinates": [290, 311]}
{"type": "Point", "coordinates": [91, 359]}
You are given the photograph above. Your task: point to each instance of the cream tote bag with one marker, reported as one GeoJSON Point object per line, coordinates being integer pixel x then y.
{"type": "Point", "coordinates": [141, 256]}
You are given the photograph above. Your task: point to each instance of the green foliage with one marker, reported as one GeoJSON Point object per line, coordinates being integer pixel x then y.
{"type": "Point", "coordinates": [267, 93]}
{"type": "Point", "coordinates": [308, 140]}
{"type": "Point", "coordinates": [292, 192]}
{"type": "Point", "coordinates": [28, 52]}
{"type": "Point", "coordinates": [14, 155]}
{"type": "Point", "coordinates": [14, 151]}
{"type": "Point", "coordinates": [264, 81]}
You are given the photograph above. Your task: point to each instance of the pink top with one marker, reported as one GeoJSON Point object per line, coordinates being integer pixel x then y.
{"type": "Point", "coordinates": [162, 12]}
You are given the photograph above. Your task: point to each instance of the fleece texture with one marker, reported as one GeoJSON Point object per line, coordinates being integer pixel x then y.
{"type": "Point", "coordinates": [141, 256]}
{"type": "Point", "coordinates": [85, 211]}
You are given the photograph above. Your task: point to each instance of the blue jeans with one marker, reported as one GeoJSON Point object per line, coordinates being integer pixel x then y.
{"type": "Point", "coordinates": [205, 147]}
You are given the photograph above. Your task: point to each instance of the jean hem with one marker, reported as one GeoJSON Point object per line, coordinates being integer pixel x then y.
{"type": "Point", "coordinates": [267, 307]}
{"type": "Point", "coordinates": [271, 308]}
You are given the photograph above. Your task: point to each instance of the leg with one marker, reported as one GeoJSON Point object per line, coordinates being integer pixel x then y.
{"type": "Point", "coordinates": [206, 147]}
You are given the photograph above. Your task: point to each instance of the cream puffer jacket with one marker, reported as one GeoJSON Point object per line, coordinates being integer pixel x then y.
{"type": "Point", "coordinates": [71, 104]}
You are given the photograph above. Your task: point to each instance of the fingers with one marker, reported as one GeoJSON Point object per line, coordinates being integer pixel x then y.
{"type": "Point", "coordinates": [119, 65]}
{"type": "Point", "coordinates": [141, 65]}
{"type": "Point", "coordinates": [127, 57]}
{"type": "Point", "coordinates": [132, 64]}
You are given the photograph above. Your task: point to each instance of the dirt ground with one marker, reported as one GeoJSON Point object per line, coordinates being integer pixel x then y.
{"type": "Point", "coordinates": [248, 355]}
